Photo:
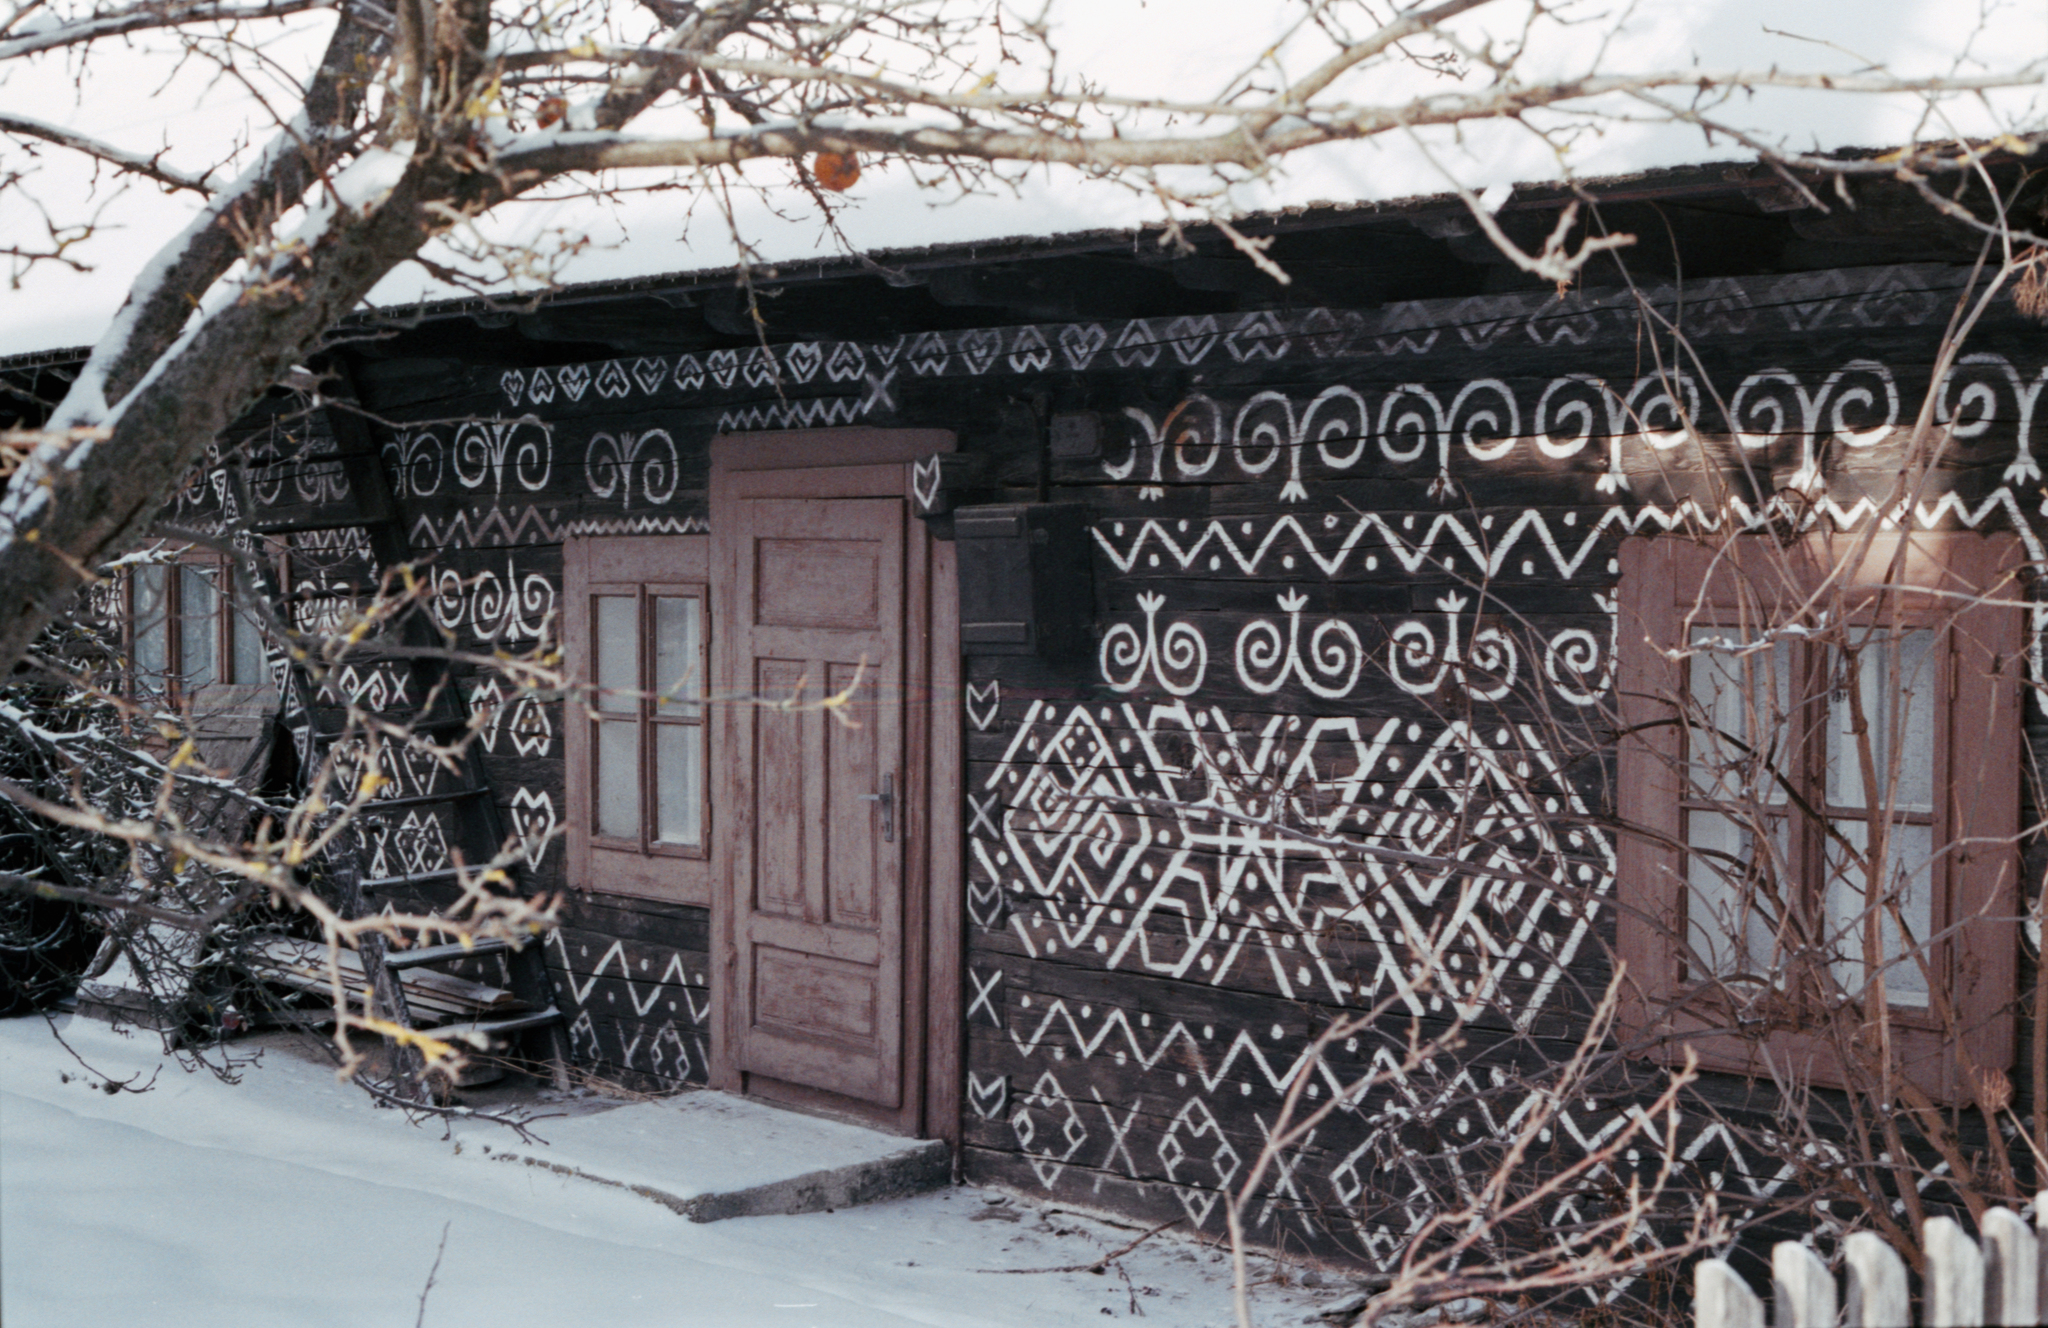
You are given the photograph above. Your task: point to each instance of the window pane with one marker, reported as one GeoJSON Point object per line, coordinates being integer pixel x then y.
{"type": "Point", "coordinates": [1908, 876]}
{"type": "Point", "coordinates": [248, 648]}
{"type": "Point", "coordinates": [1895, 687]}
{"type": "Point", "coordinates": [1740, 752]}
{"type": "Point", "coordinates": [1730, 895]}
{"type": "Point", "coordinates": [617, 796]}
{"type": "Point", "coordinates": [678, 653]}
{"type": "Point", "coordinates": [1739, 739]}
{"type": "Point", "coordinates": [152, 631]}
{"type": "Point", "coordinates": [679, 783]}
{"type": "Point", "coordinates": [197, 609]}
{"type": "Point", "coordinates": [616, 629]}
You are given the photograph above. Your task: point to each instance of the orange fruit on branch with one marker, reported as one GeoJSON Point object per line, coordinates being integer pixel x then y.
{"type": "Point", "coordinates": [836, 171]}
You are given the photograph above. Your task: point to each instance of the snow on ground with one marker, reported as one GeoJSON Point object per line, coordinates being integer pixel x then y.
{"type": "Point", "coordinates": [290, 1200]}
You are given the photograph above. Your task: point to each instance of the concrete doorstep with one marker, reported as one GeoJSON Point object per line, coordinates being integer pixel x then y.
{"type": "Point", "coordinates": [703, 1155]}
{"type": "Point", "coordinates": [711, 1156]}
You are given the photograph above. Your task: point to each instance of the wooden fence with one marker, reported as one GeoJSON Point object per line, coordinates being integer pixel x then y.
{"type": "Point", "coordinates": [1968, 1284]}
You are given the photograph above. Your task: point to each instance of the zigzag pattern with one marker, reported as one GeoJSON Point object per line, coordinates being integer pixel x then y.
{"type": "Point", "coordinates": [486, 528]}
{"type": "Point", "coordinates": [1249, 545]}
{"type": "Point", "coordinates": [664, 1034]}
{"type": "Point", "coordinates": [804, 413]}
{"type": "Point", "coordinates": [639, 525]}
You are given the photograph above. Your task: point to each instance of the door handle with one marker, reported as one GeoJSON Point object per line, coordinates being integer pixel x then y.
{"type": "Point", "coordinates": [887, 797]}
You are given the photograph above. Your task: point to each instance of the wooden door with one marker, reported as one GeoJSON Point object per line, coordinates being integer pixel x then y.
{"type": "Point", "coordinates": [818, 883]}
{"type": "Point", "coordinates": [836, 916]}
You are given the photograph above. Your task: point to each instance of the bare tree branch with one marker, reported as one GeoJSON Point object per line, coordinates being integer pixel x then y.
{"type": "Point", "coordinates": [151, 166]}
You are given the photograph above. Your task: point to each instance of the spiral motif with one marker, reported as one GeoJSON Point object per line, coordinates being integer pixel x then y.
{"type": "Point", "coordinates": [450, 604]}
{"type": "Point", "coordinates": [1663, 407]}
{"type": "Point", "coordinates": [1580, 403]}
{"type": "Point", "coordinates": [1761, 420]}
{"type": "Point", "coordinates": [1861, 400]}
{"type": "Point", "coordinates": [534, 459]}
{"type": "Point", "coordinates": [1122, 653]}
{"type": "Point", "coordinates": [1572, 663]}
{"type": "Point", "coordinates": [1343, 417]}
{"type": "Point", "coordinates": [658, 476]}
{"type": "Point", "coordinates": [1334, 651]}
{"type": "Point", "coordinates": [536, 606]}
{"type": "Point", "coordinates": [1195, 424]}
{"type": "Point", "coordinates": [1499, 419]}
{"type": "Point", "coordinates": [611, 463]}
{"type": "Point", "coordinates": [419, 464]}
{"type": "Point", "coordinates": [1260, 650]}
{"type": "Point", "coordinates": [477, 455]}
{"type": "Point", "coordinates": [1401, 419]}
{"type": "Point", "coordinates": [320, 483]}
{"type": "Point", "coordinates": [603, 465]}
{"type": "Point", "coordinates": [1492, 655]}
{"type": "Point", "coordinates": [1412, 649]}
{"type": "Point", "coordinates": [1145, 435]}
{"type": "Point", "coordinates": [1263, 427]}
{"type": "Point", "coordinates": [490, 602]}
{"type": "Point", "coordinates": [1182, 652]}
{"type": "Point", "coordinates": [1976, 406]}
{"type": "Point", "coordinates": [1979, 398]}
{"type": "Point", "coordinates": [1178, 660]}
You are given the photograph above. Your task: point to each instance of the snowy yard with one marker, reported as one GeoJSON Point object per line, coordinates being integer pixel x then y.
{"type": "Point", "coordinates": [290, 1200]}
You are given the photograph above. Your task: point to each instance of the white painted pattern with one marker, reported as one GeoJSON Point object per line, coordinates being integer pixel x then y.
{"type": "Point", "coordinates": [1107, 849]}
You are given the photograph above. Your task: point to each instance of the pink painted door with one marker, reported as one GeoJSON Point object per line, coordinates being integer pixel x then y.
{"type": "Point", "coordinates": [818, 893]}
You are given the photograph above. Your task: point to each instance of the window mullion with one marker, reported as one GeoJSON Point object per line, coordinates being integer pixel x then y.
{"type": "Point", "coordinates": [645, 713]}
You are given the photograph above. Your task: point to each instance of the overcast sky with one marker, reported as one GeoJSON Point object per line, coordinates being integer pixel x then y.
{"type": "Point", "coordinates": [1173, 48]}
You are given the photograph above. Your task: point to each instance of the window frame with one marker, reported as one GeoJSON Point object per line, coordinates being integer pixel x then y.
{"type": "Point", "coordinates": [1671, 584]}
{"type": "Point", "coordinates": [178, 692]}
{"type": "Point", "coordinates": [646, 567]}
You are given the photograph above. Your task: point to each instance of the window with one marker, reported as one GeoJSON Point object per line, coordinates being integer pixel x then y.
{"type": "Point", "coordinates": [637, 628]}
{"type": "Point", "coordinates": [1819, 786]}
{"type": "Point", "coordinates": [186, 638]}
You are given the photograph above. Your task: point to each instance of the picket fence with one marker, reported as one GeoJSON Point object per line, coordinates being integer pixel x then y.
{"type": "Point", "coordinates": [1968, 1285]}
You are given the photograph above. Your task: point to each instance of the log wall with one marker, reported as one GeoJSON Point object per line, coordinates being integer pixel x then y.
{"type": "Point", "coordinates": [1361, 559]}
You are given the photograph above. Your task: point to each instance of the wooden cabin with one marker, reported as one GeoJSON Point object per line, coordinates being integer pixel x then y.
{"type": "Point", "coordinates": [1147, 581]}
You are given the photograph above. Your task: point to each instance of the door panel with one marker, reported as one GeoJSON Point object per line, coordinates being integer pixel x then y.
{"type": "Point", "coordinates": [819, 909]}
{"type": "Point", "coordinates": [778, 793]}
{"type": "Point", "coordinates": [817, 583]}
{"type": "Point", "coordinates": [855, 772]}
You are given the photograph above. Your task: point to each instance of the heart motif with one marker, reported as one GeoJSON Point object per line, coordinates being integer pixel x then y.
{"type": "Point", "coordinates": [533, 823]}
{"type": "Point", "coordinates": [924, 483]}
{"type": "Point", "coordinates": [984, 704]}
{"type": "Point", "coordinates": [989, 1096]}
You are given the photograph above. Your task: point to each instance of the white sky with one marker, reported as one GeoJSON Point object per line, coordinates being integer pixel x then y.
{"type": "Point", "coordinates": [1174, 48]}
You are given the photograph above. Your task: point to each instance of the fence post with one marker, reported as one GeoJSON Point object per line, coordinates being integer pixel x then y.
{"type": "Point", "coordinates": [1877, 1283]}
{"type": "Point", "coordinates": [2040, 1245]}
{"type": "Point", "coordinates": [1720, 1300]}
{"type": "Point", "coordinates": [1955, 1275]}
{"type": "Point", "coordinates": [1801, 1288]}
{"type": "Point", "coordinates": [2010, 1255]}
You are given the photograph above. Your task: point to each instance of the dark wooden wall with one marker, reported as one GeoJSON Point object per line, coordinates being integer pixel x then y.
{"type": "Point", "coordinates": [1363, 560]}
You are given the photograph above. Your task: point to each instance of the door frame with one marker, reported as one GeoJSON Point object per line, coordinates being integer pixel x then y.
{"type": "Point", "coordinates": [861, 463]}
